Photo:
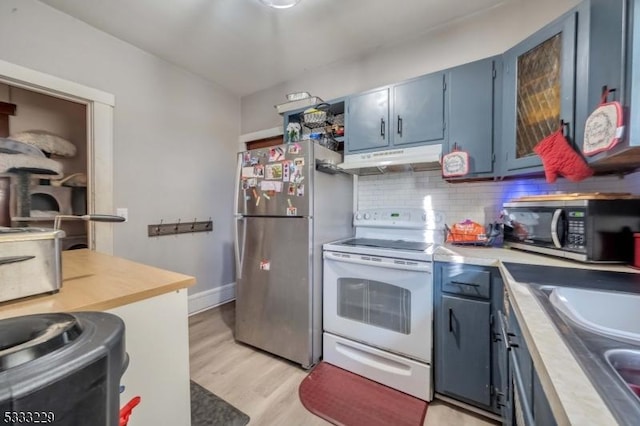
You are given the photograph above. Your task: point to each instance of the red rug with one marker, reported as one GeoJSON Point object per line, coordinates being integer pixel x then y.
{"type": "Point", "coordinates": [344, 398]}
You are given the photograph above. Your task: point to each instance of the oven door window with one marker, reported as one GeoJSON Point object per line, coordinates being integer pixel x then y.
{"type": "Point", "coordinates": [375, 303]}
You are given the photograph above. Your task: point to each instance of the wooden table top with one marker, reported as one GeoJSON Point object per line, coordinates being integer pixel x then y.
{"type": "Point", "coordinates": [94, 281]}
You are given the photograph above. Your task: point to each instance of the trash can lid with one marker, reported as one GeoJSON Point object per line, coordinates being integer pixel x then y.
{"type": "Point", "coordinates": [23, 339]}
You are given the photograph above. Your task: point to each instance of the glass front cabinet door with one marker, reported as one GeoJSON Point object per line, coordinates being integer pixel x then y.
{"type": "Point", "coordinates": [539, 92]}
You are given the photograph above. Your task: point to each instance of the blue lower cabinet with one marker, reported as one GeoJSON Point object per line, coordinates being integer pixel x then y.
{"type": "Point", "coordinates": [464, 361]}
{"type": "Point", "coordinates": [530, 406]}
{"type": "Point", "coordinates": [541, 409]}
{"type": "Point", "coordinates": [466, 367]}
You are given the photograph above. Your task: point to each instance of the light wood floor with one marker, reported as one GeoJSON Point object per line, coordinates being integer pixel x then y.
{"type": "Point", "coordinates": [263, 386]}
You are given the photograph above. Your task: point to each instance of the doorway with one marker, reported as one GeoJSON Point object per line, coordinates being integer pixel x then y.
{"type": "Point", "coordinates": [56, 130]}
{"type": "Point", "coordinates": [92, 115]}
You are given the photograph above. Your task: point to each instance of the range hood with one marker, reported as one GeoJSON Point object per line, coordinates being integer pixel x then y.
{"type": "Point", "coordinates": [417, 159]}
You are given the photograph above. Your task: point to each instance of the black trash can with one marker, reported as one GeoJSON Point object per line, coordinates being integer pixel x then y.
{"type": "Point", "coordinates": [62, 369]}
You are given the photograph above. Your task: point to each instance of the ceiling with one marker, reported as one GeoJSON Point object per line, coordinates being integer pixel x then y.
{"type": "Point", "coordinates": [246, 47]}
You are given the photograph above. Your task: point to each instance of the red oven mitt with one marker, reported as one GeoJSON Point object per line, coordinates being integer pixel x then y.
{"type": "Point", "coordinates": [558, 158]}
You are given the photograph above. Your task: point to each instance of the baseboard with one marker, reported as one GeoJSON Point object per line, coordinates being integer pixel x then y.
{"type": "Point", "coordinates": [211, 298]}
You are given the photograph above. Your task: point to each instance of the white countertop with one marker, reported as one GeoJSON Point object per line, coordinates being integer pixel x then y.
{"type": "Point", "coordinates": [573, 399]}
{"type": "Point", "coordinates": [491, 256]}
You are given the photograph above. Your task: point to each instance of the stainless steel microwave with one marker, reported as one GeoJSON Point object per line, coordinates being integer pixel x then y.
{"type": "Point", "coordinates": [587, 230]}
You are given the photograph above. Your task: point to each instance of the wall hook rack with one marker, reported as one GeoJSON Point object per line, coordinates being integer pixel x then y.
{"type": "Point", "coordinates": [179, 227]}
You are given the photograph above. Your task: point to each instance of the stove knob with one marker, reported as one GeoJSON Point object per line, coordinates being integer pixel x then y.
{"type": "Point", "coordinates": [367, 216]}
{"type": "Point", "coordinates": [358, 216]}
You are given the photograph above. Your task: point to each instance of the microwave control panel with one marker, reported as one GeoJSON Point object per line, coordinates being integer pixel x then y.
{"type": "Point", "coordinates": [576, 223]}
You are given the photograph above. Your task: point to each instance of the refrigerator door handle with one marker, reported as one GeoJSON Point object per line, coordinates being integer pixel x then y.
{"type": "Point", "coordinates": [240, 252]}
{"type": "Point", "coordinates": [236, 203]}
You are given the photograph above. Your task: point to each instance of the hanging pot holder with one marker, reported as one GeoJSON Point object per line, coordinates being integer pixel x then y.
{"type": "Point", "coordinates": [604, 127]}
{"type": "Point", "coordinates": [455, 163]}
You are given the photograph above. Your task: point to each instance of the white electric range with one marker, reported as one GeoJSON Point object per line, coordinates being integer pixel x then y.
{"type": "Point", "coordinates": [378, 298]}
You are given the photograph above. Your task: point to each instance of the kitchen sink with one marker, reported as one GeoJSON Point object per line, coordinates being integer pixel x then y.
{"type": "Point", "coordinates": [597, 313]}
{"type": "Point", "coordinates": [612, 314]}
{"type": "Point", "coordinates": [627, 364]}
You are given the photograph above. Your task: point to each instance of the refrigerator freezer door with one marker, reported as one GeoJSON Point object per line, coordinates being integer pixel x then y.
{"type": "Point", "coordinates": [276, 181]}
{"type": "Point", "coordinates": [274, 302]}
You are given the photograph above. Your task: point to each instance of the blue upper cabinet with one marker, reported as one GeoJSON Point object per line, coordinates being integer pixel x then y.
{"type": "Point", "coordinates": [410, 113]}
{"type": "Point", "coordinates": [474, 93]}
{"type": "Point", "coordinates": [601, 58]}
{"type": "Point", "coordinates": [418, 110]}
{"type": "Point", "coordinates": [498, 109]}
{"type": "Point", "coordinates": [632, 89]}
{"type": "Point", "coordinates": [367, 119]}
{"type": "Point", "coordinates": [539, 92]}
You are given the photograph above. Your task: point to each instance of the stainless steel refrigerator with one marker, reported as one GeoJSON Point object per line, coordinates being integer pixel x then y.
{"type": "Point", "coordinates": [286, 208]}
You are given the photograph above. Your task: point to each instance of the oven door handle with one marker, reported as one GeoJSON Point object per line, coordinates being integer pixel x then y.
{"type": "Point", "coordinates": [387, 263]}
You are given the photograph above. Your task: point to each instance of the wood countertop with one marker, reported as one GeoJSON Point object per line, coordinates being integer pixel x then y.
{"type": "Point", "coordinates": [93, 281]}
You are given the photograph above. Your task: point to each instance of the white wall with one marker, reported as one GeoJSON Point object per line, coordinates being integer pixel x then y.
{"type": "Point", "coordinates": [175, 136]}
{"type": "Point", "coordinates": [479, 36]}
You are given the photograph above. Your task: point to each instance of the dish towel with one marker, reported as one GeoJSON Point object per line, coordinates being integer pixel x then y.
{"type": "Point", "coordinates": [558, 158]}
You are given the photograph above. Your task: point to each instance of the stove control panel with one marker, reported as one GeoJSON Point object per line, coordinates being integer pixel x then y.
{"type": "Point", "coordinates": [401, 218]}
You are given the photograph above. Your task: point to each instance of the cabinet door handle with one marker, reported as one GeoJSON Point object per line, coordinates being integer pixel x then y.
{"type": "Point", "coordinates": [564, 126]}
{"type": "Point", "coordinates": [399, 125]}
{"type": "Point", "coordinates": [450, 320]}
{"type": "Point", "coordinates": [382, 127]}
{"type": "Point", "coordinates": [14, 259]}
{"type": "Point", "coordinates": [518, 381]}
{"type": "Point", "coordinates": [468, 284]}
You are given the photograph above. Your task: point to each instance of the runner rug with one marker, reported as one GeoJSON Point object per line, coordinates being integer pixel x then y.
{"type": "Point", "coordinates": [209, 410]}
{"type": "Point", "coordinates": [344, 398]}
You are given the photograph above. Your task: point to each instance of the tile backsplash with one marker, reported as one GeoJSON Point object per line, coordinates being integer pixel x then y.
{"type": "Point", "coordinates": [478, 201]}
